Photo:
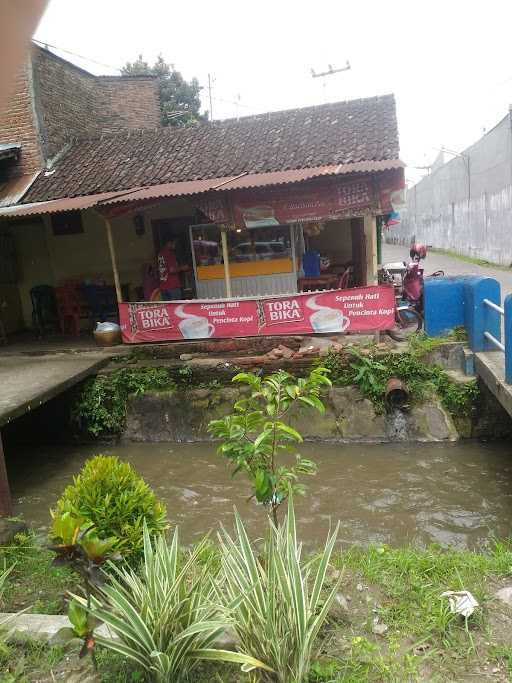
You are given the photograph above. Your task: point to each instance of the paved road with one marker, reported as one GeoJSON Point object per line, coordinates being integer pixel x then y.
{"type": "Point", "coordinates": [451, 266]}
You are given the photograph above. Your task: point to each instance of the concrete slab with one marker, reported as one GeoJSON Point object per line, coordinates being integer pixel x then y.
{"type": "Point", "coordinates": [42, 626]}
{"type": "Point", "coordinates": [490, 366]}
{"type": "Point", "coordinates": [26, 381]}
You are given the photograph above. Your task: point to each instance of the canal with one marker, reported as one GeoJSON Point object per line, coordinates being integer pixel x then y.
{"type": "Point", "coordinates": [458, 493]}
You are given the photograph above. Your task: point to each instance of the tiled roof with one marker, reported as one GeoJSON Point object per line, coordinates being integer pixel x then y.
{"type": "Point", "coordinates": [338, 133]}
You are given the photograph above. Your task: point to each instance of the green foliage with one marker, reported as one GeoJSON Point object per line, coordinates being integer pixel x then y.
{"type": "Point", "coordinates": [177, 96]}
{"type": "Point", "coordinates": [111, 496]}
{"type": "Point", "coordinates": [256, 435]}
{"type": "Point", "coordinates": [275, 598]}
{"type": "Point", "coordinates": [368, 374]}
{"type": "Point", "coordinates": [100, 408]}
{"type": "Point", "coordinates": [414, 579]}
{"type": "Point", "coordinates": [165, 618]}
{"type": "Point", "coordinates": [370, 371]}
{"type": "Point", "coordinates": [29, 661]}
{"type": "Point", "coordinates": [458, 399]}
{"type": "Point", "coordinates": [34, 581]}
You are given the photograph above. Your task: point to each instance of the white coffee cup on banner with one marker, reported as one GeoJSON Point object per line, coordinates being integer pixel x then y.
{"type": "Point", "coordinates": [196, 327]}
{"type": "Point", "coordinates": [328, 320]}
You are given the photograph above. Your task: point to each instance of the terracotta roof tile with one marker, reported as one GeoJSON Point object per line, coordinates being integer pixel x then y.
{"type": "Point", "coordinates": [338, 133]}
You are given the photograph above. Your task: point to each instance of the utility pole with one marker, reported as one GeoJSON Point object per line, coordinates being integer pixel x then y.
{"type": "Point", "coordinates": [330, 72]}
{"type": "Point", "coordinates": [210, 94]}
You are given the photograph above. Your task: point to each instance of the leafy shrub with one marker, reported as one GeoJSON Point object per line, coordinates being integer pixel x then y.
{"type": "Point", "coordinates": [256, 434]}
{"type": "Point", "coordinates": [101, 406]}
{"type": "Point", "coordinates": [370, 372]}
{"type": "Point", "coordinates": [276, 600]}
{"type": "Point", "coordinates": [166, 617]}
{"type": "Point", "coordinates": [110, 495]}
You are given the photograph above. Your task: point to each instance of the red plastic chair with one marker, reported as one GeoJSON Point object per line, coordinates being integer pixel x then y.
{"type": "Point", "coordinates": [345, 281]}
{"type": "Point", "coordinates": [69, 307]}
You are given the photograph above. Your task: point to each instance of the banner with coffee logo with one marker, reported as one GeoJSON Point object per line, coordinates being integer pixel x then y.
{"type": "Point", "coordinates": [361, 309]}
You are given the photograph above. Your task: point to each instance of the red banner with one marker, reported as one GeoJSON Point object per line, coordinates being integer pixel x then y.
{"type": "Point", "coordinates": [315, 200]}
{"type": "Point", "coordinates": [301, 203]}
{"type": "Point", "coordinates": [362, 309]}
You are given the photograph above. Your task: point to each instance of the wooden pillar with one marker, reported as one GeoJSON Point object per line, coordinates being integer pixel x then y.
{"type": "Point", "coordinates": [5, 493]}
{"type": "Point", "coordinates": [370, 237]}
{"type": "Point", "coordinates": [225, 258]}
{"type": "Point", "coordinates": [112, 250]}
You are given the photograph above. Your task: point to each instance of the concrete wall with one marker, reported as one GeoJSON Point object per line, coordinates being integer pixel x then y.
{"type": "Point", "coordinates": [465, 205]}
{"type": "Point", "coordinates": [46, 258]}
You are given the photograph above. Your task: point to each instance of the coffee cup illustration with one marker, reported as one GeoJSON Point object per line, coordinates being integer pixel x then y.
{"type": "Point", "coordinates": [326, 319]}
{"type": "Point", "coordinates": [194, 326]}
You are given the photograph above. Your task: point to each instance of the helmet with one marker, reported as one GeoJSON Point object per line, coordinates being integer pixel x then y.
{"type": "Point", "coordinates": [418, 251]}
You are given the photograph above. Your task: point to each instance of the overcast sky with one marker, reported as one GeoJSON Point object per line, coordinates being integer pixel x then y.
{"type": "Point", "coordinates": [448, 62]}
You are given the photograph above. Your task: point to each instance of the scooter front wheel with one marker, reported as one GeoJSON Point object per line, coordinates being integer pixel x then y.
{"type": "Point", "coordinates": [407, 322]}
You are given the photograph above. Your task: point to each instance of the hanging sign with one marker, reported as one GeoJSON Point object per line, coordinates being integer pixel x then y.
{"type": "Point", "coordinates": [318, 200]}
{"type": "Point", "coordinates": [361, 309]}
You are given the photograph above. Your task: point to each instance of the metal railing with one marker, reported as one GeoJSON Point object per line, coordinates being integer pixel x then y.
{"type": "Point", "coordinates": [505, 313]}
{"type": "Point", "coordinates": [487, 334]}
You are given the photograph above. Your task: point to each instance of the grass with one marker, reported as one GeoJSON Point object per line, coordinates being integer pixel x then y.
{"type": "Point", "coordinates": [34, 583]}
{"type": "Point", "coordinates": [398, 587]}
{"type": "Point", "coordinates": [468, 259]}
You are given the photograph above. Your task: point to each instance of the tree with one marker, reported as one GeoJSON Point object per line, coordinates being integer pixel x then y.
{"type": "Point", "coordinates": [179, 99]}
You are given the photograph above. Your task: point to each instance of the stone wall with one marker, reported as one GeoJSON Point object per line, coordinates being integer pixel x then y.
{"type": "Point", "coordinates": [183, 416]}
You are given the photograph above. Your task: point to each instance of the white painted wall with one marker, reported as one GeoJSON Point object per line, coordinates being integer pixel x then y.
{"type": "Point", "coordinates": [465, 205]}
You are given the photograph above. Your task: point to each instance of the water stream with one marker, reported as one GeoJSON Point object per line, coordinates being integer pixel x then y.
{"type": "Point", "coordinates": [458, 494]}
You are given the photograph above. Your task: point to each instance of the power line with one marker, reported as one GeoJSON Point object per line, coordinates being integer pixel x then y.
{"type": "Point", "coordinates": [69, 52]}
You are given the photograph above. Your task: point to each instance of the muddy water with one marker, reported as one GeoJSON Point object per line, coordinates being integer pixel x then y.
{"type": "Point", "coordinates": [450, 494]}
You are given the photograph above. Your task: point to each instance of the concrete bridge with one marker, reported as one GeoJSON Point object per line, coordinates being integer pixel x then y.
{"type": "Point", "coordinates": [475, 303]}
{"type": "Point", "coordinates": [27, 380]}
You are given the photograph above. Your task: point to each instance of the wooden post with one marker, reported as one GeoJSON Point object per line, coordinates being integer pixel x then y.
{"type": "Point", "coordinates": [225, 258]}
{"type": "Point", "coordinates": [5, 493]}
{"type": "Point", "coordinates": [370, 235]}
{"type": "Point", "coordinates": [119, 293]}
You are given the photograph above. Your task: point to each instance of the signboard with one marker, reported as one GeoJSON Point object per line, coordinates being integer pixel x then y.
{"type": "Point", "coordinates": [312, 201]}
{"type": "Point", "coordinates": [361, 309]}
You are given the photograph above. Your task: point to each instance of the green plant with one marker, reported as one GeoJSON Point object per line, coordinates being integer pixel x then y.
{"type": "Point", "coordinates": [165, 618]}
{"type": "Point", "coordinates": [458, 399]}
{"type": "Point", "coordinates": [275, 598]}
{"type": "Point", "coordinates": [111, 496]}
{"type": "Point", "coordinates": [78, 547]}
{"type": "Point", "coordinates": [255, 435]}
{"type": "Point", "coordinates": [100, 408]}
{"type": "Point", "coordinates": [369, 373]}
{"type": "Point", "coordinates": [34, 580]}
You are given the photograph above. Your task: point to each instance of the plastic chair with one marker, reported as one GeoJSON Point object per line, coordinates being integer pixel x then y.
{"type": "Point", "coordinates": [101, 301]}
{"type": "Point", "coordinates": [44, 308]}
{"type": "Point", "coordinates": [69, 307]}
{"type": "Point", "coordinates": [3, 331]}
{"type": "Point", "coordinates": [346, 278]}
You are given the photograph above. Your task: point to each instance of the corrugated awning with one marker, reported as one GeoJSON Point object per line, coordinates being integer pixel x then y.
{"type": "Point", "coordinates": [12, 191]}
{"type": "Point", "coordinates": [195, 187]}
{"type": "Point", "coordinates": [9, 150]}
{"type": "Point", "coordinates": [55, 205]}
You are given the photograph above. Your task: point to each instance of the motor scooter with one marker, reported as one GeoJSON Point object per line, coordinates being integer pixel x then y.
{"type": "Point", "coordinates": [408, 280]}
